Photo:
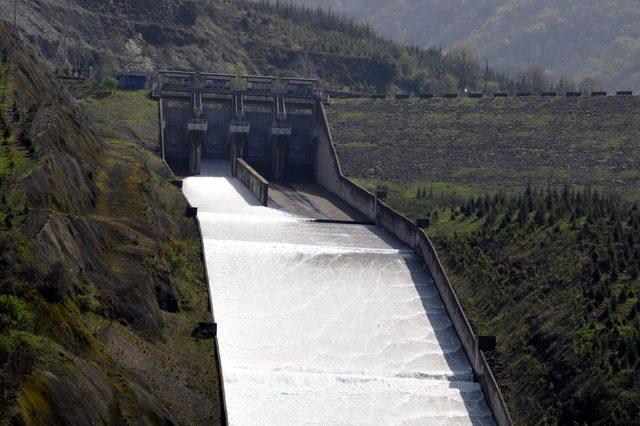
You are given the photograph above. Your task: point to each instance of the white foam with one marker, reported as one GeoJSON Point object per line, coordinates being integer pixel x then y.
{"type": "Point", "coordinates": [326, 324]}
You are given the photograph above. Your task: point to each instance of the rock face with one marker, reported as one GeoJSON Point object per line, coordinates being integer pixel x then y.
{"type": "Point", "coordinates": [112, 318]}
{"type": "Point", "coordinates": [84, 30]}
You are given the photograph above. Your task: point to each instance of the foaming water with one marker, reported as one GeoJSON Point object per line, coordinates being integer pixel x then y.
{"type": "Point", "coordinates": [325, 323]}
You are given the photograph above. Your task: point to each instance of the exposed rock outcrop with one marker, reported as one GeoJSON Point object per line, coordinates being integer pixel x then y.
{"type": "Point", "coordinates": [96, 221]}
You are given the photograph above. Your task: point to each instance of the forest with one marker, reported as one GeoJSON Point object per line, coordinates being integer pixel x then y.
{"type": "Point", "coordinates": [574, 39]}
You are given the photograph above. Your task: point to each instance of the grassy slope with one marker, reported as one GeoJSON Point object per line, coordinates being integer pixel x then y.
{"type": "Point", "coordinates": [492, 144]}
{"type": "Point", "coordinates": [567, 336]}
{"type": "Point", "coordinates": [102, 280]}
{"type": "Point", "coordinates": [124, 116]}
{"type": "Point", "coordinates": [559, 356]}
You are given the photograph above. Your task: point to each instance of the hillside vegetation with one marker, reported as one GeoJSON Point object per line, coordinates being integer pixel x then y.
{"type": "Point", "coordinates": [101, 280]}
{"type": "Point", "coordinates": [487, 145]}
{"type": "Point", "coordinates": [235, 36]}
{"type": "Point", "coordinates": [551, 267]}
{"type": "Point", "coordinates": [579, 38]}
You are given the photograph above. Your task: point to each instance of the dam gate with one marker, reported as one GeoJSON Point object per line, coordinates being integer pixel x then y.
{"type": "Point", "coordinates": [271, 123]}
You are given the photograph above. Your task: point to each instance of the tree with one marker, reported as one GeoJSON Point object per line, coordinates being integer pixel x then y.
{"type": "Point", "coordinates": [448, 83]}
{"type": "Point", "coordinates": [386, 71]}
{"type": "Point", "coordinates": [464, 63]}
{"type": "Point", "coordinates": [534, 79]}
{"type": "Point", "coordinates": [565, 85]}
{"type": "Point", "coordinates": [420, 82]}
{"type": "Point", "coordinates": [591, 84]}
{"type": "Point", "coordinates": [188, 12]}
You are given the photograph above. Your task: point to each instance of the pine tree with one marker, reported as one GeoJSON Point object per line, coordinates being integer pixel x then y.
{"type": "Point", "coordinates": [551, 220]}
{"type": "Point", "coordinates": [522, 216]}
{"type": "Point", "coordinates": [595, 275]}
{"type": "Point", "coordinates": [539, 217]}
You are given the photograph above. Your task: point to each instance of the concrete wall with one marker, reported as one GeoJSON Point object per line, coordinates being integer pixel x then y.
{"type": "Point", "coordinates": [396, 224]}
{"type": "Point", "coordinates": [424, 247]}
{"type": "Point", "coordinates": [223, 407]}
{"type": "Point", "coordinates": [258, 186]}
{"type": "Point", "coordinates": [329, 175]}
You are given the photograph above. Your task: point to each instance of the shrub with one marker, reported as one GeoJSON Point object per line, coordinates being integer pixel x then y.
{"type": "Point", "coordinates": [176, 256]}
{"type": "Point", "coordinates": [108, 84]}
{"type": "Point", "coordinates": [88, 303]}
{"type": "Point", "coordinates": [17, 310]}
{"type": "Point", "coordinates": [188, 12]}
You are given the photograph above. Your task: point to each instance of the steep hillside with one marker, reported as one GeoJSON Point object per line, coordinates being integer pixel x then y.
{"type": "Point", "coordinates": [554, 274]}
{"type": "Point", "coordinates": [593, 38]}
{"type": "Point", "coordinates": [102, 282]}
{"type": "Point", "coordinates": [231, 36]}
{"type": "Point", "coordinates": [492, 144]}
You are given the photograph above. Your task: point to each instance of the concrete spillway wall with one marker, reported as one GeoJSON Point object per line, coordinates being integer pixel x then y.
{"type": "Point", "coordinates": [329, 174]}
{"type": "Point", "coordinates": [258, 186]}
{"type": "Point", "coordinates": [216, 343]}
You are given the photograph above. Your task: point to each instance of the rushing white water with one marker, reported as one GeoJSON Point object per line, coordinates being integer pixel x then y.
{"type": "Point", "coordinates": [325, 323]}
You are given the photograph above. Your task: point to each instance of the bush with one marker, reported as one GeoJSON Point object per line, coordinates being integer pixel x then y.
{"type": "Point", "coordinates": [108, 84]}
{"type": "Point", "coordinates": [17, 310]}
{"type": "Point", "coordinates": [88, 303]}
{"type": "Point", "coordinates": [176, 256]}
{"type": "Point", "coordinates": [188, 12]}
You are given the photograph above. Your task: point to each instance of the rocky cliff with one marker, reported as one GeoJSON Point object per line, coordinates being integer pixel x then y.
{"type": "Point", "coordinates": [102, 281]}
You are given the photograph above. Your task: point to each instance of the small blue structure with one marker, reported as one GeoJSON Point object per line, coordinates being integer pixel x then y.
{"type": "Point", "coordinates": [132, 80]}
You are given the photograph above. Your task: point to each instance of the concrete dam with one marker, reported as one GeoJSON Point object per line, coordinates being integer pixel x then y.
{"type": "Point", "coordinates": [328, 306]}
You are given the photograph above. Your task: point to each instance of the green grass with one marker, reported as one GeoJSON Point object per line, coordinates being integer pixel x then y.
{"type": "Point", "coordinates": [123, 143]}
{"type": "Point", "coordinates": [17, 311]}
{"type": "Point", "coordinates": [442, 188]}
{"type": "Point", "coordinates": [125, 115]}
{"type": "Point", "coordinates": [12, 160]}
{"type": "Point", "coordinates": [15, 160]}
{"type": "Point", "coordinates": [491, 145]}
{"type": "Point", "coordinates": [445, 225]}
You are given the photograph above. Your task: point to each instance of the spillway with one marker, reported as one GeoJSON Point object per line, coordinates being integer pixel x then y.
{"type": "Point", "coordinates": [322, 323]}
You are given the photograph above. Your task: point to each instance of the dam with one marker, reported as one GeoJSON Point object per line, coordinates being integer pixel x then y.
{"type": "Point", "coordinates": [331, 307]}
{"type": "Point", "coordinates": [325, 323]}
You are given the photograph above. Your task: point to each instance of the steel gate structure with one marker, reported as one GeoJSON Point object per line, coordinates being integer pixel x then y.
{"type": "Point", "coordinates": [269, 122]}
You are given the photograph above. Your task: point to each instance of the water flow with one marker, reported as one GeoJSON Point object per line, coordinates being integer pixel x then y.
{"type": "Point", "coordinates": [325, 323]}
